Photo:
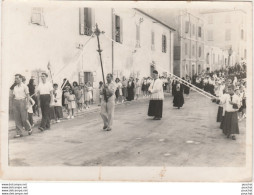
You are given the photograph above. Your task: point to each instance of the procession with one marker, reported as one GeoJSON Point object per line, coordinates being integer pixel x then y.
{"type": "Point", "coordinates": [229, 93]}
{"type": "Point", "coordinates": [127, 87]}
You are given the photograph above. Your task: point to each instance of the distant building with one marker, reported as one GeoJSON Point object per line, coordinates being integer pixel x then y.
{"type": "Point", "coordinates": [226, 29]}
{"type": "Point", "coordinates": [188, 39]}
{"type": "Point", "coordinates": [215, 58]}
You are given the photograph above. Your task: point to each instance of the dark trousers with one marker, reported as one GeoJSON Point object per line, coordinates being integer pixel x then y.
{"type": "Point", "coordinates": [45, 111]}
{"type": "Point", "coordinates": [30, 118]}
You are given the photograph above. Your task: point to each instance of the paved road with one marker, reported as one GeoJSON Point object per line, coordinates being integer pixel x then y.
{"type": "Point", "coordinates": [185, 137]}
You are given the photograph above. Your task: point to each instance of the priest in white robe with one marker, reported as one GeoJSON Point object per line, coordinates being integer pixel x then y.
{"type": "Point", "coordinates": [156, 97]}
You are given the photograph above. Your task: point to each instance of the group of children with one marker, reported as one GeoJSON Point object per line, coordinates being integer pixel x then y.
{"type": "Point", "coordinates": [79, 97]}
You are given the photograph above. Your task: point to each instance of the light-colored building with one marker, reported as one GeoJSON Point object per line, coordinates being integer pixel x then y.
{"type": "Point", "coordinates": [188, 39]}
{"type": "Point", "coordinates": [215, 58]}
{"type": "Point", "coordinates": [133, 43]}
{"type": "Point", "coordinates": [227, 29]}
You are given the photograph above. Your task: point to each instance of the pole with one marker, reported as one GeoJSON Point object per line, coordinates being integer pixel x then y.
{"type": "Point", "coordinates": [97, 33]}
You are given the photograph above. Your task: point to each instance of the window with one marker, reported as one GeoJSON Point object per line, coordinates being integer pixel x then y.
{"type": "Point", "coordinates": [118, 29]}
{"type": "Point", "coordinates": [137, 35]}
{"type": "Point", "coordinates": [37, 17]}
{"type": "Point", "coordinates": [85, 21]}
{"type": "Point", "coordinates": [228, 35]}
{"type": "Point", "coordinates": [152, 41]}
{"type": "Point", "coordinates": [210, 35]}
{"type": "Point", "coordinates": [245, 53]}
{"type": "Point", "coordinates": [242, 34]}
{"type": "Point", "coordinates": [218, 59]}
{"type": "Point", "coordinates": [187, 27]}
{"type": "Point", "coordinates": [227, 19]}
{"type": "Point", "coordinates": [193, 29]}
{"type": "Point", "coordinates": [164, 43]}
{"type": "Point", "coordinates": [199, 52]}
{"type": "Point", "coordinates": [199, 31]}
{"type": "Point", "coordinates": [210, 19]}
{"type": "Point", "coordinates": [186, 49]}
{"type": "Point", "coordinates": [213, 58]}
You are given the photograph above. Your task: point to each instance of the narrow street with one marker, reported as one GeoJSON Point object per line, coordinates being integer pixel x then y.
{"type": "Point", "coordinates": [186, 137]}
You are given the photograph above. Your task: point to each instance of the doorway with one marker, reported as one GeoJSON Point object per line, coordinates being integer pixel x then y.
{"type": "Point", "coordinates": [85, 77]}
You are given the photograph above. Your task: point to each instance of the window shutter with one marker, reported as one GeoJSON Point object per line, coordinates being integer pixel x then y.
{"type": "Point", "coordinates": [186, 27]}
{"type": "Point", "coordinates": [114, 27]}
{"type": "Point", "coordinates": [81, 21]}
{"type": "Point", "coordinates": [121, 30]}
{"type": "Point", "coordinates": [89, 21]}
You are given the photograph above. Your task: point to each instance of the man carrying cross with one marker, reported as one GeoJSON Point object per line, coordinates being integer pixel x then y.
{"type": "Point", "coordinates": [108, 103]}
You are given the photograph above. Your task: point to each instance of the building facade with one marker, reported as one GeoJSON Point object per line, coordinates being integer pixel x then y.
{"type": "Point", "coordinates": [215, 58]}
{"type": "Point", "coordinates": [230, 35]}
{"type": "Point", "coordinates": [133, 43]}
{"type": "Point", "coordinates": [188, 39]}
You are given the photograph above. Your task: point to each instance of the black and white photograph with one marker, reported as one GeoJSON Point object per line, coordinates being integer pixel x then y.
{"type": "Point", "coordinates": [126, 91]}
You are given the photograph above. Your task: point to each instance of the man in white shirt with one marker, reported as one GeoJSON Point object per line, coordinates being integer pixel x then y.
{"type": "Point", "coordinates": [20, 106]}
{"type": "Point", "coordinates": [108, 103]}
{"type": "Point", "coordinates": [45, 100]}
{"type": "Point", "coordinates": [156, 98]}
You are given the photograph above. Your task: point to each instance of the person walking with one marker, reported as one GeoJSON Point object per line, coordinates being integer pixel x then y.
{"type": "Point", "coordinates": [108, 103]}
{"type": "Point", "coordinates": [20, 106]}
{"type": "Point", "coordinates": [178, 100]}
{"type": "Point", "coordinates": [45, 100]}
{"type": "Point", "coordinates": [156, 98]}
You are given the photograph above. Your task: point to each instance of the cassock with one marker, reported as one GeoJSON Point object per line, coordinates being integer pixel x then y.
{"type": "Point", "coordinates": [156, 99]}
{"type": "Point", "coordinates": [230, 121]}
{"type": "Point", "coordinates": [178, 96]}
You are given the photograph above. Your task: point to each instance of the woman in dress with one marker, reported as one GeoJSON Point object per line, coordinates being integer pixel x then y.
{"type": "Point", "coordinates": [89, 93]}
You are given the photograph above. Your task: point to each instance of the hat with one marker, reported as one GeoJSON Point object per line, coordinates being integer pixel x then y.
{"type": "Point", "coordinates": [155, 72]}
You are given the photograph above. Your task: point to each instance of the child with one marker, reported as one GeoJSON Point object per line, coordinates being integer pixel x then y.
{"type": "Point", "coordinates": [71, 104]}
{"type": "Point", "coordinates": [80, 97]}
{"type": "Point", "coordinates": [30, 112]}
{"type": "Point", "coordinates": [100, 92]}
{"type": "Point", "coordinates": [232, 103]}
{"type": "Point", "coordinates": [66, 95]}
{"type": "Point", "coordinates": [57, 103]}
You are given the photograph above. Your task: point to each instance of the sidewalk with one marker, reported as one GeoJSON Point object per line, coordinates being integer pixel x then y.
{"type": "Point", "coordinates": [93, 108]}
